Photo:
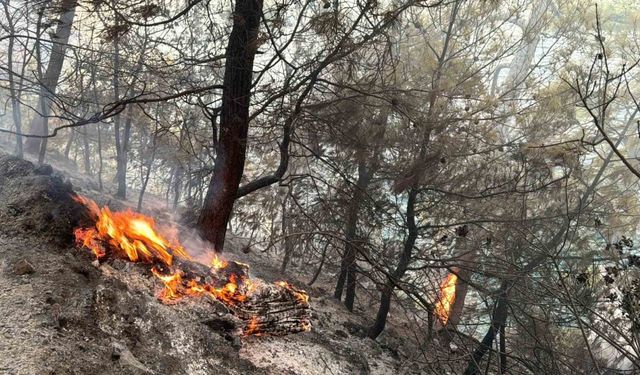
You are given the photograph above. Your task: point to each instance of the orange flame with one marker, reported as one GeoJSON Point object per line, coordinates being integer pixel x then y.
{"type": "Point", "coordinates": [252, 327]}
{"type": "Point", "coordinates": [128, 231]}
{"type": "Point", "coordinates": [134, 236]}
{"type": "Point", "coordinates": [172, 283]}
{"type": "Point", "coordinates": [446, 298]}
{"type": "Point", "coordinates": [300, 295]}
{"type": "Point", "coordinates": [218, 263]}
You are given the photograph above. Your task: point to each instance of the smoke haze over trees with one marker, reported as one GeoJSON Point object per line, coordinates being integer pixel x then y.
{"type": "Point", "coordinates": [415, 158]}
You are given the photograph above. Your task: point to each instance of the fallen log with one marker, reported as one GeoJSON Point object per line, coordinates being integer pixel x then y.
{"type": "Point", "coordinates": [276, 309]}
{"type": "Point", "coordinates": [265, 309]}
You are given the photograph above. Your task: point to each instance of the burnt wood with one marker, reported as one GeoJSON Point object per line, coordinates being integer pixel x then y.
{"type": "Point", "coordinates": [269, 309]}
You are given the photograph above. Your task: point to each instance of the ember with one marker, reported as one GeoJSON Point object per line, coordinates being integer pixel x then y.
{"type": "Point", "coordinates": [446, 298]}
{"type": "Point", "coordinates": [134, 237]}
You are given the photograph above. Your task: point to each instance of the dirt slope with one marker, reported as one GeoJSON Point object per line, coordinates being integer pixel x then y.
{"type": "Point", "coordinates": [61, 314]}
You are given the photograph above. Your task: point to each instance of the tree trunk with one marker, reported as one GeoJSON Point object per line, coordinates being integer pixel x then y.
{"type": "Point", "coordinates": [348, 266]}
{"type": "Point", "coordinates": [319, 269]}
{"type": "Point", "coordinates": [412, 228]}
{"type": "Point", "coordinates": [75, 153]}
{"type": "Point", "coordinates": [147, 174]}
{"type": "Point", "coordinates": [286, 233]}
{"type": "Point", "coordinates": [503, 351]}
{"type": "Point", "coordinates": [177, 187]}
{"type": "Point", "coordinates": [179, 171]}
{"type": "Point", "coordinates": [498, 320]}
{"type": "Point", "coordinates": [100, 161]}
{"type": "Point", "coordinates": [145, 181]}
{"type": "Point", "coordinates": [15, 104]}
{"type": "Point", "coordinates": [67, 147]}
{"type": "Point", "coordinates": [121, 154]}
{"type": "Point", "coordinates": [348, 263]}
{"type": "Point", "coordinates": [87, 151]}
{"type": "Point", "coordinates": [39, 124]}
{"type": "Point", "coordinates": [234, 123]}
{"type": "Point", "coordinates": [520, 66]}
{"type": "Point", "coordinates": [189, 185]}
{"type": "Point", "coordinates": [446, 332]}
{"type": "Point", "coordinates": [461, 294]}
{"type": "Point", "coordinates": [167, 194]}
{"type": "Point", "coordinates": [17, 122]}
{"type": "Point", "coordinates": [463, 273]}
{"type": "Point", "coordinates": [121, 178]}
{"type": "Point", "coordinates": [401, 268]}
{"type": "Point", "coordinates": [99, 129]}
{"type": "Point", "coordinates": [122, 138]}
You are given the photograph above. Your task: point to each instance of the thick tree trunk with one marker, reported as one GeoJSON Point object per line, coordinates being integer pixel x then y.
{"type": "Point", "coordinates": [461, 295]}
{"type": "Point", "coordinates": [401, 268]}
{"type": "Point", "coordinates": [39, 124]}
{"type": "Point", "coordinates": [234, 123]}
{"type": "Point", "coordinates": [43, 144]}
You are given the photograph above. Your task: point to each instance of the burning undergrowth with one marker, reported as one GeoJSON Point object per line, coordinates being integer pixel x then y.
{"type": "Point", "coordinates": [273, 309]}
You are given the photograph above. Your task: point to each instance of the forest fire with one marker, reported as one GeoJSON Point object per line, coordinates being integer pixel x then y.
{"type": "Point", "coordinates": [446, 298]}
{"type": "Point", "coordinates": [133, 236]}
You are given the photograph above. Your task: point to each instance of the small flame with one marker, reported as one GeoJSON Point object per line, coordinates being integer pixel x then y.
{"type": "Point", "coordinates": [299, 294]}
{"type": "Point", "coordinates": [172, 282]}
{"type": "Point", "coordinates": [218, 263]}
{"type": "Point", "coordinates": [252, 327]}
{"type": "Point", "coordinates": [446, 298]}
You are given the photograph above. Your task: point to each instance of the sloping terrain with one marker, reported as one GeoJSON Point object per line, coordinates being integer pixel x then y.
{"type": "Point", "coordinates": [65, 314]}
